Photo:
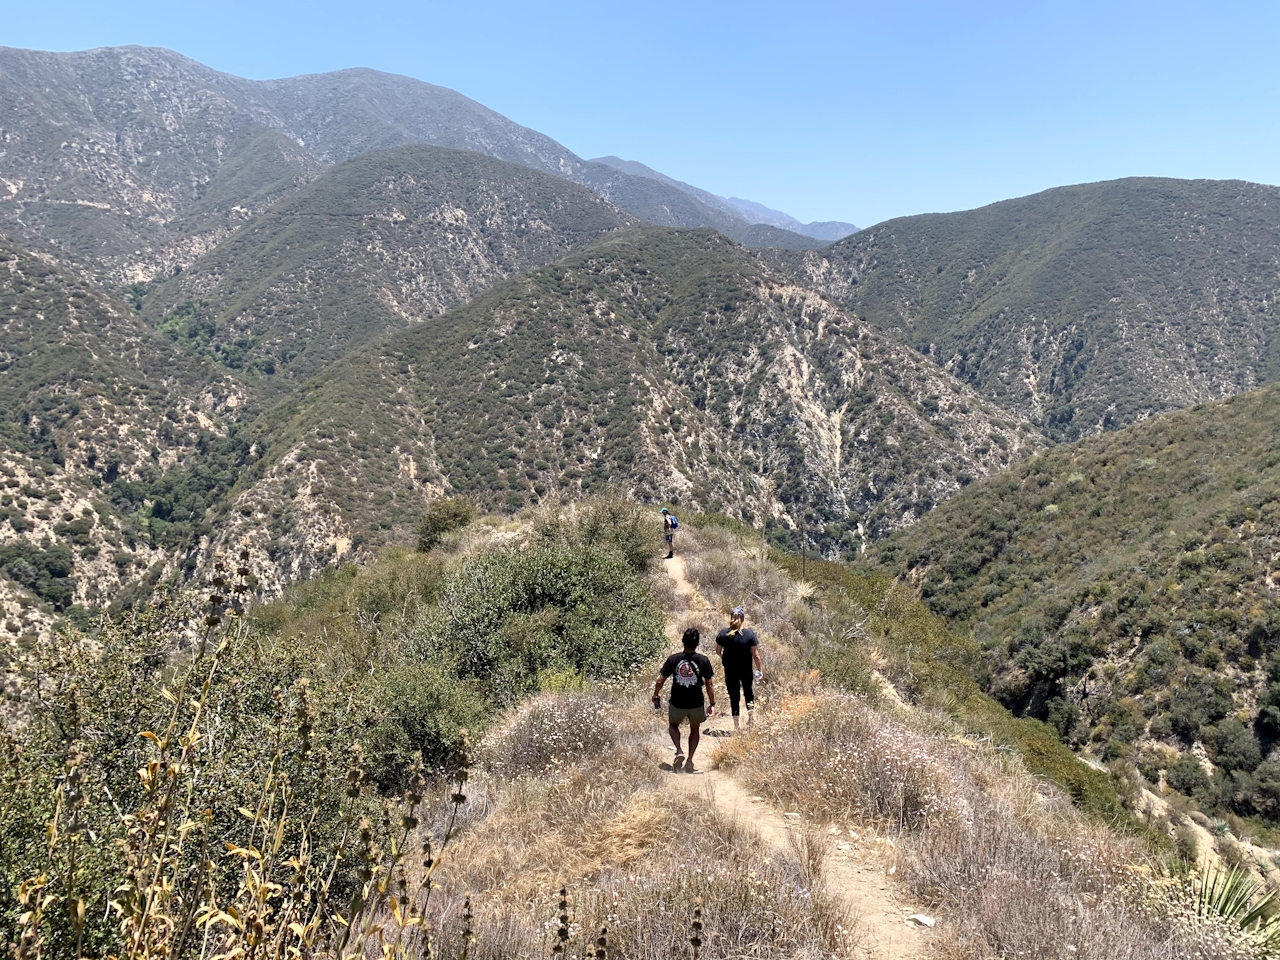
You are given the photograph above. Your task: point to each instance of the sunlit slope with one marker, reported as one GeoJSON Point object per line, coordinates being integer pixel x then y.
{"type": "Point", "coordinates": [378, 243]}
{"type": "Point", "coordinates": [1125, 589]}
{"type": "Point", "coordinates": [1086, 307]}
{"type": "Point", "coordinates": [129, 162]}
{"type": "Point", "coordinates": [113, 444]}
{"type": "Point", "coordinates": [668, 364]}
{"type": "Point", "coordinates": [98, 166]}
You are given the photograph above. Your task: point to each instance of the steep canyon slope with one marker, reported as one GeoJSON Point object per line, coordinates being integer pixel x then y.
{"type": "Point", "coordinates": [1082, 308]}
{"type": "Point", "coordinates": [377, 243]}
{"type": "Point", "coordinates": [666, 364]}
{"type": "Point", "coordinates": [114, 445]}
{"type": "Point", "coordinates": [1125, 588]}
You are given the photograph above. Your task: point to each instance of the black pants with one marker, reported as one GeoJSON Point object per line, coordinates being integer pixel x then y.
{"type": "Point", "coordinates": [737, 680]}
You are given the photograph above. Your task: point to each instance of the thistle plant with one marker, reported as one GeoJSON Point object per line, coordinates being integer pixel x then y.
{"type": "Point", "coordinates": [695, 939]}
{"type": "Point", "coordinates": [562, 931]}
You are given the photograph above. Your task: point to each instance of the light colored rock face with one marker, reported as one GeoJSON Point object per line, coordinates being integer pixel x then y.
{"type": "Point", "coordinates": [1083, 308]}
{"type": "Point", "coordinates": [774, 407]}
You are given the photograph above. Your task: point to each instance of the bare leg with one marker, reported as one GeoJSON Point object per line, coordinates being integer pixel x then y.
{"type": "Point", "coordinates": [674, 730]}
{"type": "Point", "coordinates": [694, 737]}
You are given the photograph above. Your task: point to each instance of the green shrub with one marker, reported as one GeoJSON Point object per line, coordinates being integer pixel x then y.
{"type": "Point", "coordinates": [46, 571]}
{"type": "Point", "coordinates": [1188, 777]}
{"type": "Point", "coordinates": [608, 523]}
{"type": "Point", "coordinates": [113, 712]}
{"type": "Point", "coordinates": [419, 709]}
{"type": "Point", "coordinates": [511, 616]}
{"type": "Point", "coordinates": [443, 516]}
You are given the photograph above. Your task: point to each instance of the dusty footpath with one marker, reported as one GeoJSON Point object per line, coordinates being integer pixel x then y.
{"type": "Point", "coordinates": [856, 868]}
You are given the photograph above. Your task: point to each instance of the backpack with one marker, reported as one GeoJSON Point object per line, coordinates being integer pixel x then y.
{"type": "Point", "coordinates": [675, 524]}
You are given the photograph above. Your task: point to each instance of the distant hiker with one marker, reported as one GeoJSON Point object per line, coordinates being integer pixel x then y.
{"type": "Point", "coordinates": [669, 527]}
{"type": "Point", "coordinates": [739, 651]}
{"type": "Point", "coordinates": [690, 672]}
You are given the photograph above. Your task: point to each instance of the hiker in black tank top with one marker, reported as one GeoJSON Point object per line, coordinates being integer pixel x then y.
{"type": "Point", "coordinates": [739, 651]}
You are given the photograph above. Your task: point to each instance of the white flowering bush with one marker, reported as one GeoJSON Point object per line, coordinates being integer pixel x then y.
{"type": "Point", "coordinates": [839, 759]}
{"type": "Point", "coordinates": [549, 731]}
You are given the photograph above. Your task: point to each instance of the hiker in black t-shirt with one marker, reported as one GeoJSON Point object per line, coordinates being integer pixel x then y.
{"type": "Point", "coordinates": [739, 651]}
{"type": "Point", "coordinates": [690, 672]}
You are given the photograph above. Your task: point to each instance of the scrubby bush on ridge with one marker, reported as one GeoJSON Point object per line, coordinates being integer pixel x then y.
{"type": "Point", "coordinates": [313, 706]}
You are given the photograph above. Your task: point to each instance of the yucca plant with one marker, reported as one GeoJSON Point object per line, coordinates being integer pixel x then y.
{"type": "Point", "coordinates": [1231, 894]}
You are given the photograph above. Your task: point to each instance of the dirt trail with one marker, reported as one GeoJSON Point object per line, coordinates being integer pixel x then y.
{"type": "Point", "coordinates": [854, 868]}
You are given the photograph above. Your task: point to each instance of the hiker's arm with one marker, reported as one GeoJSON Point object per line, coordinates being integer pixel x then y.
{"type": "Point", "coordinates": [755, 658]}
{"type": "Point", "coordinates": [657, 692]}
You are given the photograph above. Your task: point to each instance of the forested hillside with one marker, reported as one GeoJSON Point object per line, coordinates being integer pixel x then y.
{"type": "Point", "coordinates": [114, 445]}
{"type": "Point", "coordinates": [377, 243]}
{"type": "Point", "coordinates": [1084, 308]}
{"type": "Point", "coordinates": [1125, 589]}
{"type": "Point", "coordinates": [667, 364]}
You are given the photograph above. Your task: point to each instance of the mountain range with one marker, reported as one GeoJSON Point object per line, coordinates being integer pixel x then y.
{"type": "Point", "coordinates": [1083, 308]}
{"type": "Point", "coordinates": [758, 213]}
{"type": "Point", "coordinates": [385, 240]}
{"type": "Point", "coordinates": [129, 161]}
{"type": "Point", "coordinates": [286, 316]}
{"type": "Point", "coordinates": [667, 365]}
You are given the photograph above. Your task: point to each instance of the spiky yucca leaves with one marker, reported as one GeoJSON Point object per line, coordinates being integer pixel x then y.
{"type": "Point", "coordinates": [1232, 894]}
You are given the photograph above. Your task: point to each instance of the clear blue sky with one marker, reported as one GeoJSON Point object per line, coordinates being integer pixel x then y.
{"type": "Point", "coordinates": [852, 111]}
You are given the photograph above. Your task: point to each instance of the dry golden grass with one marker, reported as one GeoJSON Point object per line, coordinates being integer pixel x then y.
{"type": "Point", "coordinates": [635, 857]}
{"type": "Point", "coordinates": [1010, 864]}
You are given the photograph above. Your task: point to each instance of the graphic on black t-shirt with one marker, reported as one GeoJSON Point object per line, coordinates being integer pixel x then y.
{"type": "Point", "coordinates": [688, 671]}
{"type": "Point", "coordinates": [686, 674]}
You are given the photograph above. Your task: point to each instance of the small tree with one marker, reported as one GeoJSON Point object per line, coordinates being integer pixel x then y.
{"type": "Point", "coordinates": [443, 516]}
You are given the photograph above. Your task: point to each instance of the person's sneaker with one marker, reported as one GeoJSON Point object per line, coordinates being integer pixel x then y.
{"type": "Point", "coordinates": [688, 767]}
{"type": "Point", "coordinates": [678, 762]}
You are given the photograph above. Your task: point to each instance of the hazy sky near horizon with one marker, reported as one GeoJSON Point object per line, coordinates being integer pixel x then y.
{"type": "Point", "coordinates": [856, 111]}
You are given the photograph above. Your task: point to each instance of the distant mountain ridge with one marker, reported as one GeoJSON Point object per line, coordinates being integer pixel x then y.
{"type": "Point", "coordinates": [1085, 307]}
{"type": "Point", "coordinates": [132, 160]}
{"type": "Point", "coordinates": [824, 231]}
{"type": "Point", "coordinates": [386, 239]}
